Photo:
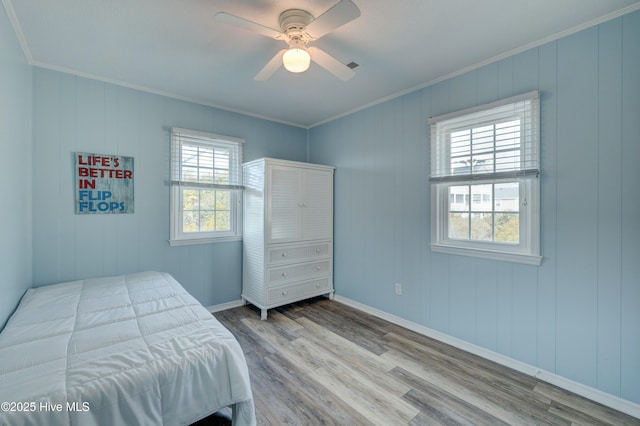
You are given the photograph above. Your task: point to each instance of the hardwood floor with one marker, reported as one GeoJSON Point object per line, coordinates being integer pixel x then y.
{"type": "Point", "coordinates": [322, 362]}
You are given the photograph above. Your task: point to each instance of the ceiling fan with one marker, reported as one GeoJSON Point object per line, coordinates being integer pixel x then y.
{"type": "Point", "coordinates": [297, 28]}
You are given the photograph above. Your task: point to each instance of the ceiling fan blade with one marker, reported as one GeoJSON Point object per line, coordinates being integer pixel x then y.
{"type": "Point", "coordinates": [331, 64]}
{"type": "Point", "coordinates": [271, 67]}
{"type": "Point", "coordinates": [338, 15]}
{"type": "Point", "coordinates": [247, 25]}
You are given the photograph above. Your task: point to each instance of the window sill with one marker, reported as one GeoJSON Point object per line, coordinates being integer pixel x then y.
{"type": "Point", "coordinates": [527, 259]}
{"type": "Point", "coordinates": [208, 240]}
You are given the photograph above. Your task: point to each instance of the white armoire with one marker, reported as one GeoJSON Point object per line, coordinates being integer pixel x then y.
{"type": "Point", "coordinates": [287, 232]}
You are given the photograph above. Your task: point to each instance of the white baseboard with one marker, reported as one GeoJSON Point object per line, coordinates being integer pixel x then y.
{"type": "Point", "coordinates": [225, 306]}
{"type": "Point", "coordinates": [593, 394]}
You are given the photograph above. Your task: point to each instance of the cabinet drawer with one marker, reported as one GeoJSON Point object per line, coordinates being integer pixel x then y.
{"type": "Point", "coordinates": [293, 292]}
{"type": "Point", "coordinates": [297, 253]}
{"type": "Point", "coordinates": [297, 272]}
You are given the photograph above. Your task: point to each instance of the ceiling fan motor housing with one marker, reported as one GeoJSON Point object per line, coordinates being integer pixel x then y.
{"type": "Point", "coordinates": [292, 23]}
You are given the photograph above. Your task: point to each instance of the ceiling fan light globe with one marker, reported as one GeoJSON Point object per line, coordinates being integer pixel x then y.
{"type": "Point", "coordinates": [296, 60]}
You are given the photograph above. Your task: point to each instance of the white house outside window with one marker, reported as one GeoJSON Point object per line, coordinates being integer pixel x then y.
{"type": "Point", "coordinates": [485, 181]}
{"type": "Point", "coordinates": [205, 187]}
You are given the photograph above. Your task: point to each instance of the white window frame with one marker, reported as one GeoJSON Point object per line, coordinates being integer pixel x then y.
{"type": "Point", "coordinates": [526, 174]}
{"type": "Point", "coordinates": [179, 183]}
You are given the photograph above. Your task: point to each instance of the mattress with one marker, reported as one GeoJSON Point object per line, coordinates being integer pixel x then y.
{"type": "Point", "coordinates": [134, 349]}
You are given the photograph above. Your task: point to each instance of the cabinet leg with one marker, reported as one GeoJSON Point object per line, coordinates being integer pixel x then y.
{"type": "Point", "coordinates": [332, 295]}
{"type": "Point", "coordinates": [263, 314]}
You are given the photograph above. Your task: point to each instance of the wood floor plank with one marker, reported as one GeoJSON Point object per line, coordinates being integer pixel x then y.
{"type": "Point", "coordinates": [572, 416]}
{"type": "Point", "coordinates": [268, 391]}
{"type": "Point", "coordinates": [594, 410]}
{"type": "Point", "coordinates": [286, 325]}
{"type": "Point", "coordinates": [342, 347]}
{"type": "Point", "coordinates": [296, 354]}
{"type": "Point", "coordinates": [359, 379]}
{"type": "Point", "coordinates": [307, 405]}
{"type": "Point", "coordinates": [464, 388]}
{"type": "Point", "coordinates": [321, 362]}
{"type": "Point", "coordinates": [373, 403]}
{"type": "Point", "coordinates": [441, 408]}
{"type": "Point", "coordinates": [248, 340]}
{"type": "Point", "coordinates": [363, 331]}
{"type": "Point", "coordinates": [466, 358]}
{"type": "Point", "coordinates": [482, 379]}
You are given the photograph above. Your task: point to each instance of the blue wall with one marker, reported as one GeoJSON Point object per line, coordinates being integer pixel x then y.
{"type": "Point", "coordinates": [578, 314]}
{"type": "Point", "coordinates": [15, 170]}
{"type": "Point", "coordinates": [78, 114]}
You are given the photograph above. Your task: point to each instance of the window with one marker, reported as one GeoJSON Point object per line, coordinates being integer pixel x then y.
{"type": "Point", "coordinates": [485, 181]}
{"type": "Point", "coordinates": [205, 187]}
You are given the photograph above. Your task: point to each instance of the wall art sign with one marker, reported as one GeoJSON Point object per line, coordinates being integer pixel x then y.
{"type": "Point", "coordinates": [103, 183]}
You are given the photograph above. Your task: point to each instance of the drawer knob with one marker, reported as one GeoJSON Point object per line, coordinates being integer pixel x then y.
{"type": "Point", "coordinates": [317, 268]}
{"type": "Point", "coordinates": [317, 250]}
{"type": "Point", "coordinates": [284, 254]}
{"type": "Point", "coordinates": [318, 285]}
{"type": "Point", "coordinates": [284, 274]}
{"type": "Point", "coordinates": [284, 292]}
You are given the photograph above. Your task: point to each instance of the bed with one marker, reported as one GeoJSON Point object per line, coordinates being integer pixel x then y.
{"type": "Point", "coordinates": [134, 349]}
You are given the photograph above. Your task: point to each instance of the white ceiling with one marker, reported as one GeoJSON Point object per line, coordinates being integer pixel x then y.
{"type": "Point", "coordinates": [175, 47]}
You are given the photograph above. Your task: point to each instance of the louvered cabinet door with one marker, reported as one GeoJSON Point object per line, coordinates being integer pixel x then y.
{"type": "Point", "coordinates": [284, 204]}
{"type": "Point", "coordinates": [317, 205]}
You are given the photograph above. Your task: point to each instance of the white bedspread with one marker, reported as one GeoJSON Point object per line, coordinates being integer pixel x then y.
{"type": "Point", "coordinates": [129, 350]}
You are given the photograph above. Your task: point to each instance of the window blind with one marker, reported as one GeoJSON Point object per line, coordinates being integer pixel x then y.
{"type": "Point", "coordinates": [205, 160]}
{"type": "Point", "coordinates": [492, 141]}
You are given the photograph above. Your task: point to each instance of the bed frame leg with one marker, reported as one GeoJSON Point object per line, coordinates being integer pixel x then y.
{"type": "Point", "coordinates": [263, 314]}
